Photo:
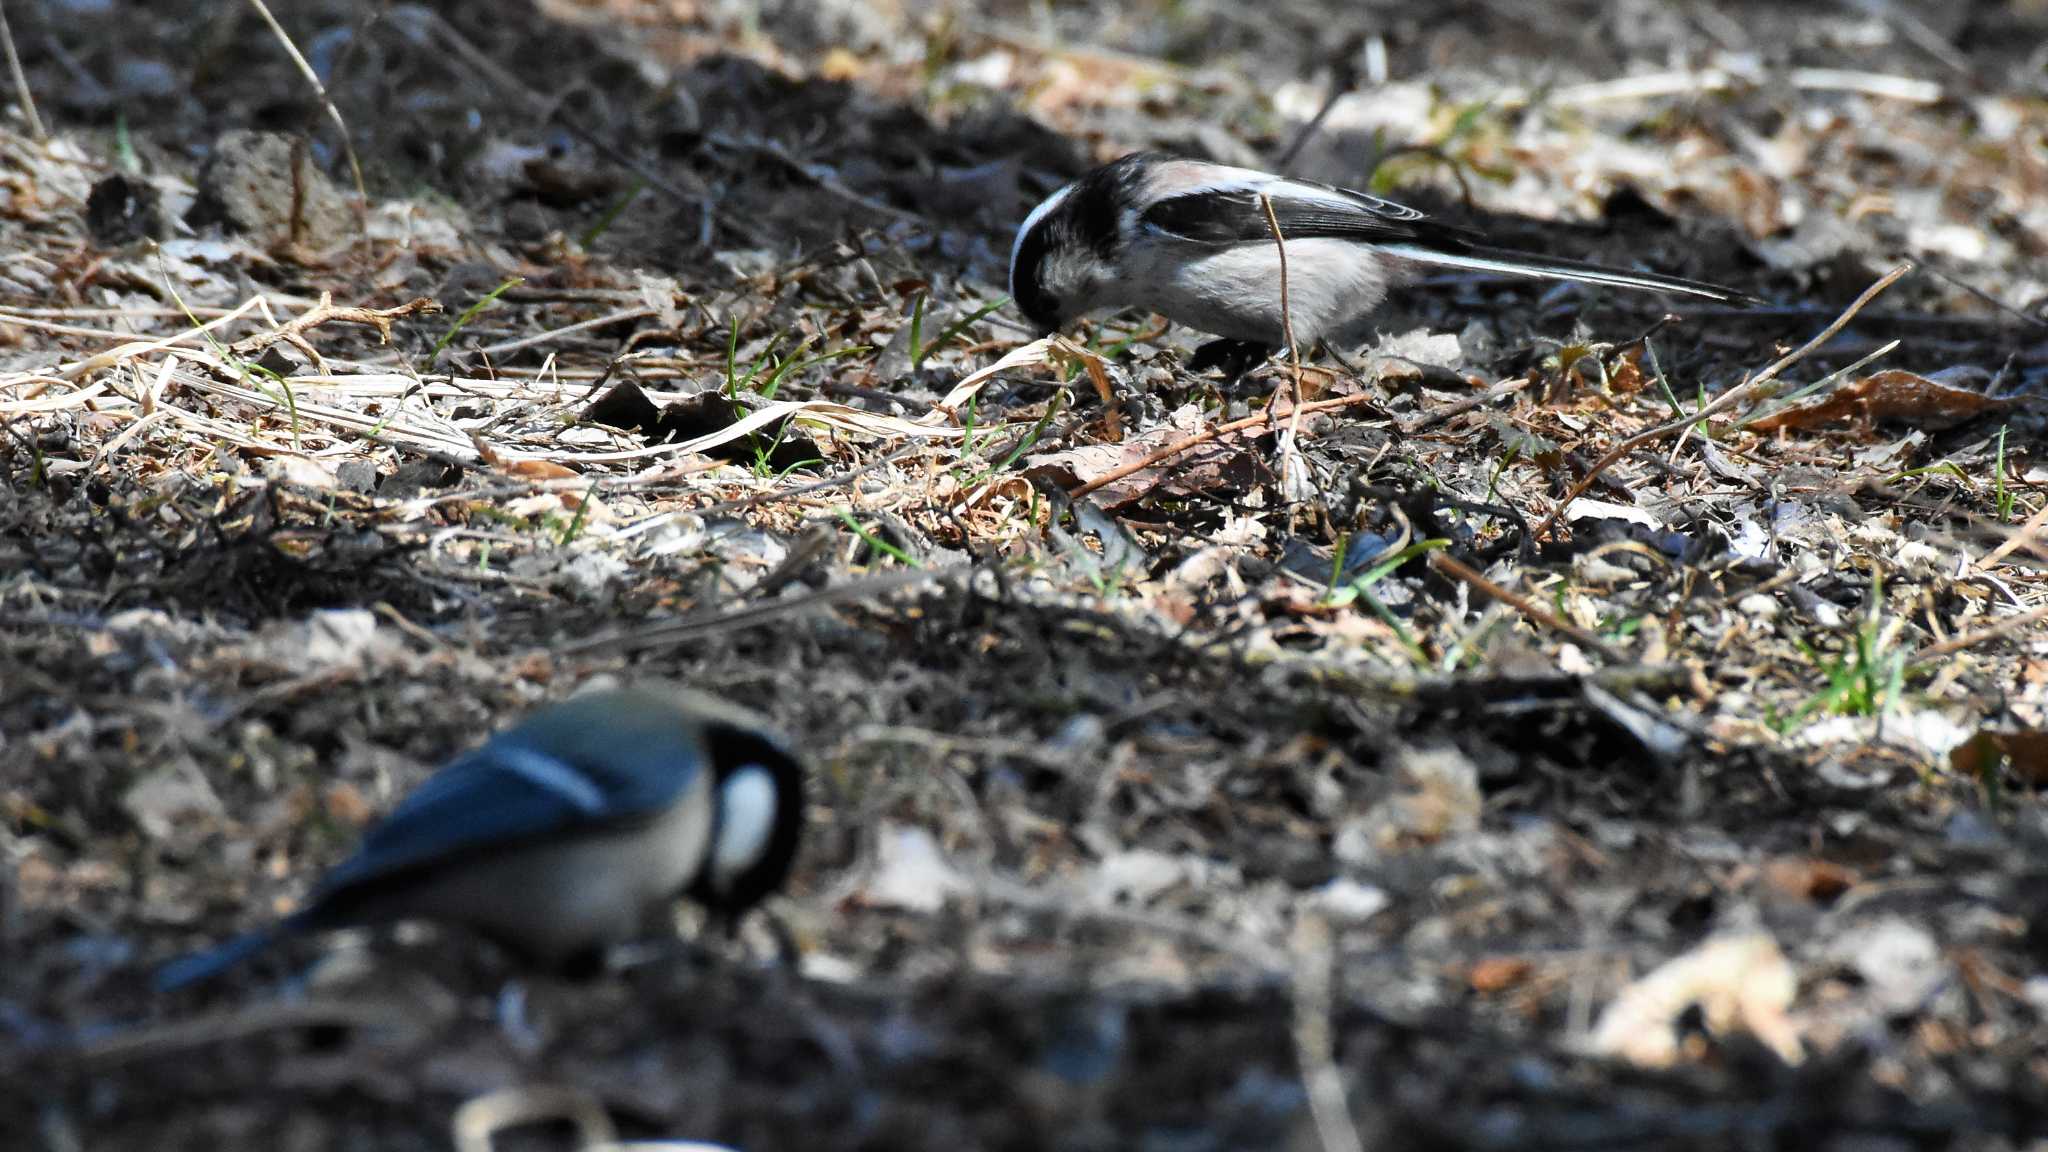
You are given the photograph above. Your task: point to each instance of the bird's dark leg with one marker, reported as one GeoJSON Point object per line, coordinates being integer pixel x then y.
{"type": "Point", "coordinates": [1234, 357]}
{"type": "Point", "coordinates": [1344, 361]}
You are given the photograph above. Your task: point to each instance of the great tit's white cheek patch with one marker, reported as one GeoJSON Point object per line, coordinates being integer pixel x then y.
{"type": "Point", "coordinates": [747, 806]}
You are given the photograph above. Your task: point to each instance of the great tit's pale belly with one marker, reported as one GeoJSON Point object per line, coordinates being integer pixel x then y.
{"type": "Point", "coordinates": [555, 900]}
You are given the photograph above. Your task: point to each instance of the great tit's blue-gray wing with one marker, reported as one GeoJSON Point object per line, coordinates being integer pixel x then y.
{"type": "Point", "coordinates": [589, 762]}
{"type": "Point", "coordinates": [1230, 211]}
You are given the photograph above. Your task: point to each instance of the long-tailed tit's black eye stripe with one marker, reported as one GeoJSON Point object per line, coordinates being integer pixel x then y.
{"type": "Point", "coordinates": [1235, 216]}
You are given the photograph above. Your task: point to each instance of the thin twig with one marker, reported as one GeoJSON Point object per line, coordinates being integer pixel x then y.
{"type": "Point", "coordinates": [348, 149]}
{"type": "Point", "coordinates": [2023, 538]}
{"type": "Point", "coordinates": [1976, 636]}
{"type": "Point", "coordinates": [1286, 317]}
{"type": "Point", "coordinates": [824, 180]}
{"type": "Point", "coordinates": [402, 1027]}
{"type": "Point", "coordinates": [1290, 452]}
{"type": "Point", "coordinates": [1343, 78]}
{"type": "Point", "coordinates": [1743, 393]}
{"type": "Point", "coordinates": [327, 312]}
{"type": "Point", "coordinates": [505, 347]}
{"type": "Point", "coordinates": [1435, 416]}
{"type": "Point", "coordinates": [1987, 297]}
{"type": "Point", "coordinates": [21, 89]}
{"type": "Point", "coordinates": [1450, 566]}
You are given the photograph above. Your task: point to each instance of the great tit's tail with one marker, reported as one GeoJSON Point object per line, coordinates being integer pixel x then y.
{"type": "Point", "coordinates": [201, 966]}
{"type": "Point", "coordinates": [1509, 262]}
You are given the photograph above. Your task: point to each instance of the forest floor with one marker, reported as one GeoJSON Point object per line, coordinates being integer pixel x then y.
{"type": "Point", "coordinates": [1576, 729]}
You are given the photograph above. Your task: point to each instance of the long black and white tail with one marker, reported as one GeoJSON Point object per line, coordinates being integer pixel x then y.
{"type": "Point", "coordinates": [1509, 262]}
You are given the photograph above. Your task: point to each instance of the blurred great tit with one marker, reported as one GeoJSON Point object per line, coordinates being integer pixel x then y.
{"type": "Point", "coordinates": [565, 835]}
{"type": "Point", "coordinates": [1190, 240]}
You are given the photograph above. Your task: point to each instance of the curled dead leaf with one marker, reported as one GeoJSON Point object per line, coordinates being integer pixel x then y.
{"type": "Point", "coordinates": [2024, 752]}
{"type": "Point", "coordinates": [1933, 402]}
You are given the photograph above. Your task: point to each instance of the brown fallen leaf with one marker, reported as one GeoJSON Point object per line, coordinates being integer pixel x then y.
{"type": "Point", "coordinates": [1932, 402]}
{"type": "Point", "coordinates": [1226, 463]}
{"type": "Point", "coordinates": [2025, 752]}
{"type": "Point", "coordinates": [1492, 974]}
{"type": "Point", "coordinates": [1805, 878]}
{"type": "Point", "coordinates": [539, 469]}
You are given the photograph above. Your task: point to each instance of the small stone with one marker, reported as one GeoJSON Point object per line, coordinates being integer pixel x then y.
{"type": "Point", "coordinates": [1346, 901]}
{"type": "Point", "coordinates": [141, 78]}
{"type": "Point", "coordinates": [1136, 876]}
{"type": "Point", "coordinates": [1900, 963]}
{"type": "Point", "coordinates": [912, 873]}
{"type": "Point", "coordinates": [169, 796]}
{"type": "Point", "coordinates": [355, 475]}
{"type": "Point", "coordinates": [267, 185]}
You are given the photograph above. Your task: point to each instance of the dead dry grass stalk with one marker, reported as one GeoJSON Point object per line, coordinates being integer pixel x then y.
{"type": "Point", "coordinates": [1314, 1038]}
{"type": "Point", "coordinates": [1293, 472]}
{"type": "Point", "coordinates": [1450, 566]}
{"type": "Point", "coordinates": [21, 88]}
{"type": "Point", "coordinates": [348, 148]}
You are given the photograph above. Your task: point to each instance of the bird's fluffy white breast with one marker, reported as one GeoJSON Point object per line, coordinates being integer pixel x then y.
{"type": "Point", "coordinates": [1235, 291]}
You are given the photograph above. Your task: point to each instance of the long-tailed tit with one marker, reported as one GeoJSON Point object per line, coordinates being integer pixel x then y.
{"type": "Point", "coordinates": [1191, 241]}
